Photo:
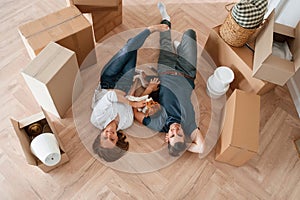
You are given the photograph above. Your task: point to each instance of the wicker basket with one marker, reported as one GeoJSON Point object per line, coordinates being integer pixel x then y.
{"type": "Point", "coordinates": [233, 34]}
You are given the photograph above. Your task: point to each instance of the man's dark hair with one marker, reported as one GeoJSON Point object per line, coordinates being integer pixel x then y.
{"type": "Point", "coordinates": [111, 154]}
{"type": "Point", "coordinates": [177, 148]}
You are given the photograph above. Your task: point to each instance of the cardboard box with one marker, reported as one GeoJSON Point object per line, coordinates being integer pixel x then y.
{"type": "Point", "coordinates": [53, 78]}
{"type": "Point", "coordinates": [240, 60]}
{"type": "Point", "coordinates": [87, 6]}
{"type": "Point", "coordinates": [68, 27]}
{"type": "Point", "coordinates": [25, 139]}
{"type": "Point", "coordinates": [269, 67]}
{"type": "Point", "coordinates": [239, 139]}
{"type": "Point", "coordinates": [106, 21]}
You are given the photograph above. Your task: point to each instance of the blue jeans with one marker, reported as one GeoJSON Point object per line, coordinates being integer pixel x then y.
{"type": "Point", "coordinates": [119, 71]}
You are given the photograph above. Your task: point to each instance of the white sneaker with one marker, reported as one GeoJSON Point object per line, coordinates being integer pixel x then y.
{"type": "Point", "coordinates": [176, 44]}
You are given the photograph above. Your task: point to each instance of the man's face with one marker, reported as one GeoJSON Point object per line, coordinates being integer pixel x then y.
{"type": "Point", "coordinates": [175, 134]}
{"type": "Point", "coordinates": [109, 137]}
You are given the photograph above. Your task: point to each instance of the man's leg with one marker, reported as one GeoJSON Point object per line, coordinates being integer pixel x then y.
{"type": "Point", "coordinates": [163, 11]}
{"type": "Point", "coordinates": [187, 53]}
{"type": "Point", "coordinates": [167, 58]}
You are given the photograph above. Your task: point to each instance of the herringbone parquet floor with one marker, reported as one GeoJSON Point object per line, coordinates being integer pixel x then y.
{"type": "Point", "coordinates": [272, 174]}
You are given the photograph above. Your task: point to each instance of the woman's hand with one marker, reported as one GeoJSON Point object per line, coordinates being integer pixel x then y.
{"type": "Point", "coordinates": [119, 93]}
{"type": "Point", "coordinates": [137, 104]}
{"type": "Point", "coordinates": [122, 99]}
{"type": "Point", "coordinates": [158, 27]}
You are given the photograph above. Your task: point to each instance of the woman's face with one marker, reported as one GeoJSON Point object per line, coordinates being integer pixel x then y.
{"type": "Point", "coordinates": [175, 134]}
{"type": "Point", "coordinates": [109, 137]}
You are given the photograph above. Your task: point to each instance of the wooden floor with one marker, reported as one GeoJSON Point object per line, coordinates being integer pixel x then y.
{"type": "Point", "coordinates": [272, 174]}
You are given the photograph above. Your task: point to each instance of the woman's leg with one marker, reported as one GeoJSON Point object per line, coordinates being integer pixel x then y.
{"type": "Point", "coordinates": [187, 53]}
{"type": "Point", "coordinates": [120, 69]}
{"type": "Point", "coordinates": [120, 78]}
{"type": "Point", "coordinates": [125, 78]}
{"type": "Point", "coordinates": [112, 71]}
{"type": "Point", "coordinates": [118, 62]}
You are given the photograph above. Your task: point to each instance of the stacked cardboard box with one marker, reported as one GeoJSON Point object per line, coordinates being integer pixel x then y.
{"type": "Point", "coordinates": [53, 78]}
{"type": "Point", "coordinates": [68, 27]}
{"type": "Point", "coordinates": [21, 130]}
{"type": "Point", "coordinates": [105, 15]}
{"type": "Point", "coordinates": [269, 67]}
{"type": "Point", "coordinates": [239, 139]}
{"type": "Point", "coordinates": [87, 6]}
{"type": "Point", "coordinates": [106, 21]}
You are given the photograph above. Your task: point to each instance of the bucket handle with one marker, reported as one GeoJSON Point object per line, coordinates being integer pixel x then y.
{"type": "Point", "coordinates": [228, 5]}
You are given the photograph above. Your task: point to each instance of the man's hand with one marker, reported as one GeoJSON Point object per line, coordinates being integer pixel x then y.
{"type": "Point", "coordinates": [197, 145]}
{"type": "Point", "coordinates": [153, 109]}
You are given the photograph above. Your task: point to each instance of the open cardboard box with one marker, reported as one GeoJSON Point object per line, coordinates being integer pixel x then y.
{"type": "Point", "coordinates": [269, 67]}
{"type": "Point", "coordinates": [25, 139]}
{"type": "Point", "coordinates": [87, 6]}
{"type": "Point", "coordinates": [239, 139]}
{"type": "Point", "coordinates": [240, 60]}
{"type": "Point", "coordinates": [67, 27]}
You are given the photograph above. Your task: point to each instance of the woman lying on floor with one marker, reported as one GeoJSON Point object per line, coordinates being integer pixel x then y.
{"type": "Point", "coordinates": [112, 111]}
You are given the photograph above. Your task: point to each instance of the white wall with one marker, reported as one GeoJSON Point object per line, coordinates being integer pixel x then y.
{"type": "Point", "coordinates": [286, 11]}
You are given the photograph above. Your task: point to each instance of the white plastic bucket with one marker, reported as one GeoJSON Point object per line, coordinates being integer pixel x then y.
{"type": "Point", "coordinates": [213, 94]}
{"type": "Point", "coordinates": [224, 74]}
{"type": "Point", "coordinates": [218, 83]}
{"type": "Point", "coordinates": [46, 148]}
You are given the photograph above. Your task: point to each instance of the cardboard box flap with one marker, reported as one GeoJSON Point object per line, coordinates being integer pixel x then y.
{"type": "Point", "coordinates": [246, 129]}
{"type": "Point", "coordinates": [24, 142]}
{"type": "Point", "coordinates": [264, 42]}
{"type": "Point", "coordinates": [296, 47]}
{"type": "Point", "coordinates": [31, 119]}
{"type": "Point", "coordinates": [32, 28]}
{"type": "Point", "coordinates": [49, 62]}
{"type": "Point", "coordinates": [52, 127]}
{"type": "Point", "coordinates": [295, 44]}
{"type": "Point", "coordinates": [284, 30]}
